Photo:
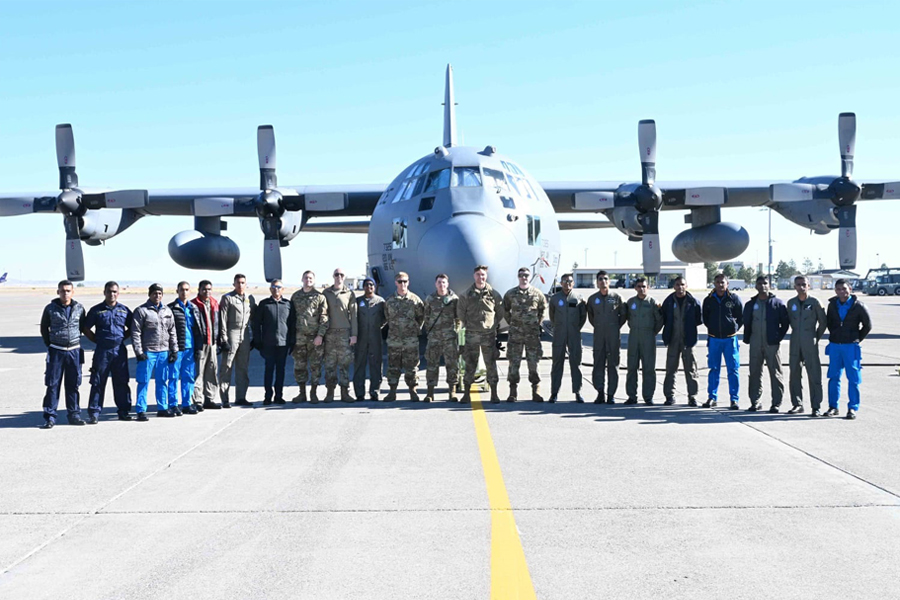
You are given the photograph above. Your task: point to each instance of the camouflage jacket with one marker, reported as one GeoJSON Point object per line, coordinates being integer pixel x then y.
{"type": "Point", "coordinates": [524, 310]}
{"type": "Point", "coordinates": [480, 310]}
{"type": "Point", "coordinates": [312, 312]}
{"type": "Point", "coordinates": [405, 315]}
{"type": "Point", "coordinates": [441, 318]}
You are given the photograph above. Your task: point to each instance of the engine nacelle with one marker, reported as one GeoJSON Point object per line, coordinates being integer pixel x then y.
{"type": "Point", "coordinates": [711, 243]}
{"type": "Point", "coordinates": [291, 222]}
{"type": "Point", "coordinates": [817, 215]}
{"type": "Point", "coordinates": [625, 218]}
{"type": "Point", "coordinates": [99, 225]}
{"type": "Point", "coordinates": [197, 250]}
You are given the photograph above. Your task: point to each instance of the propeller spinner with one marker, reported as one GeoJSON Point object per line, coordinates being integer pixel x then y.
{"type": "Point", "coordinates": [648, 198]}
{"type": "Point", "coordinates": [271, 202]}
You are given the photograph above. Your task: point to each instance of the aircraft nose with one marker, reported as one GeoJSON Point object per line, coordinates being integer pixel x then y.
{"type": "Point", "coordinates": [459, 244]}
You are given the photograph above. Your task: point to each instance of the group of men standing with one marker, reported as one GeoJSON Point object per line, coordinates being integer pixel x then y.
{"type": "Point", "coordinates": [178, 344]}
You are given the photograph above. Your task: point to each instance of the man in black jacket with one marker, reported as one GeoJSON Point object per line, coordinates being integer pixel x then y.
{"type": "Point", "coordinates": [723, 317]}
{"type": "Point", "coordinates": [273, 335]}
{"type": "Point", "coordinates": [848, 325]}
{"type": "Point", "coordinates": [765, 325]}
{"type": "Point", "coordinates": [61, 326]}
{"type": "Point", "coordinates": [681, 316]}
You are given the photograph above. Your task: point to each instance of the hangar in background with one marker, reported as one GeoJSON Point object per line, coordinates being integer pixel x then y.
{"type": "Point", "coordinates": [694, 273]}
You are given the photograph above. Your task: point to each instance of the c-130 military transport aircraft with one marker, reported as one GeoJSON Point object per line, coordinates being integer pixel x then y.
{"type": "Point", "coordinates": [456, 208]}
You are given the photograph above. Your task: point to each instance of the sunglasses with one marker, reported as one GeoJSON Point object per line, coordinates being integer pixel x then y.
{"type": "Point", "coordinates": [523, 274]}
{"type": "Point", "coordinates": [276, 287]}
{"type": "Point", "coordinates": [403, 281]}
{"type": "Point", "coordinates": [339, 275]}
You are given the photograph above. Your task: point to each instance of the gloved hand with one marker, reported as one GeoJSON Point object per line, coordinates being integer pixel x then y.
{"type": "Point", "coordinates": [173, 356]}
{"type": "Point", "coordinates": [141, 357]}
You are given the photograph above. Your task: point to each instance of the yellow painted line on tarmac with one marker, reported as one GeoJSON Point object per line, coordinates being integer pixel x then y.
{"type": "Point", "coordinates": [509, 570]}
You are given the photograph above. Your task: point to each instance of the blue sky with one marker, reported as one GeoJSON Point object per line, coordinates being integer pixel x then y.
{"type": "Point", "coordinates": [169, 95]}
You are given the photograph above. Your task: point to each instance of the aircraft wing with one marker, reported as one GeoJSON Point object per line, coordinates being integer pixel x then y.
{"type": "Point", "coordinates": [337, 226]}
{"type": "Point", "coordinates": [584, 222]}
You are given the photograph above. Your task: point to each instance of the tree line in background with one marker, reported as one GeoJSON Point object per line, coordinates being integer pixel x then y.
{"type": "Point", "coordinates": [749, 274]}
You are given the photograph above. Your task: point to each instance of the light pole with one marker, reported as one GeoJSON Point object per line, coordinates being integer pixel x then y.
{"type": "Point", "coordinates": [585, 257]}
{"type": "Point", "coordinates": [770, 243]}
{"type": "Point", "coordinates": [615, 258]}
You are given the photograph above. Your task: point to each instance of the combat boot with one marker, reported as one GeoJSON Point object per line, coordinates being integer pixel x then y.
{"type": "Point", "coordinates": [345, 394]}
{"type": "Point", "coordinates": [413, 395]}
{"type": "Point", "coordinates": [513, 395]}
{"type": "Point", "coordinates": [429, 396]}
{"type": "Point", "coordinates": [301, 397]}
{"type": "Point", "coordinates": [453, 397]}
{"type": "Point", "coordinates": [313, 398]}
{"type": "Point", "coordinates": [495, 398]}
{"type": "Point", "coordinates": [392, 394]}
{"type": "Point", "coordinates": [329, 394]}
{"type": "Point", "coordinates": [536, 393]}
{"type": "Point", "coordinates": [466, 398]}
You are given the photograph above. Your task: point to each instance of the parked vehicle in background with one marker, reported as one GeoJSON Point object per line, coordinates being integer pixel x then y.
{"type": "Point", "coordinates": [883, 282]}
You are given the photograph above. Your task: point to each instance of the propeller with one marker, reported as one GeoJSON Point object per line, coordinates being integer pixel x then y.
{"type": "Point", "coordinates": [73, 202]}
{"type": "Point", "coordinates": [271, 202]}
{"type": "Point", "coordinates": [648, 198]}
{"type": "Point", "coordinates": [843, 192]}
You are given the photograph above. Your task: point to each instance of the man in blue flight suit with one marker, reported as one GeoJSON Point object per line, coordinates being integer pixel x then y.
{"type": "Point", "coordinates": [155, 344]}
{"type": "Point", "coordinates": [61, 331]}
{"type": "Point", "coordinates": [848, 325]}
{"type": "Point", "coordinates": [722, 315]}
{"type": "Point", "coordinates": [108, 325]}
{"type": "Point", "coordinates": [183, 369]}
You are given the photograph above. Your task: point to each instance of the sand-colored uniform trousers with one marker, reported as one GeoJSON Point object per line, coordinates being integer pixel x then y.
{"type": "Point", "coordinates": [761, 351]}
{"type": "Point", "coordinates": [235, 312]}
{"type": "Point", "coordinates": [644, 322]}
{"type": "Point", "coordinates": [808, 323]}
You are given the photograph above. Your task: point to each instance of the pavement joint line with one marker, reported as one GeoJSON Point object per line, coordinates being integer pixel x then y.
{"type": "Point", "coordinates": [351, 511]}
{"type": "Point", "coordinates": [509, 568]}
{"type": "Point", "coordinates": [810, 455]}
{"type": "Point", "coordinates": [98, 510]}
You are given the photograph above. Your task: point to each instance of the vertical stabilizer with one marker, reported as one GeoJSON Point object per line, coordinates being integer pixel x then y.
{"type": "Point", "coordinates": [449, 110]}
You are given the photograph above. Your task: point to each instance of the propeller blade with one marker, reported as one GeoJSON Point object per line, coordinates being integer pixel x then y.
{"type": "Point", "coordinates": [847, 137]}
{"type": "Point", "coordinates": [116, 199]}
{"type": "Point", "coordinates": [647, 147]}
{"type": "Point", "coordinates": [65, 156]}
{"type": "Point", "coordinates": [881, 191]}
{"type": "Point", "coordinates": [847, 231]}
{"type": "Point", "coordinates": [74, 255]}
{"type": "Point", "coordinates": [265, 148]}
{"type": "Point", "coordinates": [10, 207]}
{"type": "Point", "coordinates": [271, 249]}
{"type": "Point", "coordinates": [650, 242]}
{"type": "Point", "coordinates": [791, 192]}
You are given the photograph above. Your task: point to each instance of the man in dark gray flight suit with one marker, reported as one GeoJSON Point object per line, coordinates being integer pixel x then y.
{"type": "Point", "coordinates": [568, 314]}
{"type": "Point", "coordinates": [808, 324]}
{"type": "Point", "coordinates": [644, 322]}
{"type": "Point", "coordinates": [370, 322]}
{"type": "Point", "coordinates": [606, 312]}
{"type": "Point", "coordinates": [765, 325]}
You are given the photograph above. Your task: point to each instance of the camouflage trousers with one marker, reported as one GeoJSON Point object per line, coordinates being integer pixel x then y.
{"type": "Point", "coordinates": [448, 347]}
{"type": "Point", "coordinates": [533, 354]}
{"type": "Point", "coordinates": [338, 357]}
{"type": "Point", "coordinates": [486, 344]}
{"type": "Point", "coordinates": [307, 358]}
{"type": "Point", "coordinates": [405, 358]}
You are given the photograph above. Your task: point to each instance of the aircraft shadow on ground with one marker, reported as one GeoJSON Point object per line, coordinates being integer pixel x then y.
{"type": "Point", "coordinates": [23, 344]}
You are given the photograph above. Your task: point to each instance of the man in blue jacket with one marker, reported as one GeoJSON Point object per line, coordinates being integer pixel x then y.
{"type": "Point", "coordinates": [183, 370]}
{"type": "Point", "coordinates": [848, 325]}
{"type": "Point", "coordinates": [681, 316]}
{"type": "Point", "coordinates": [723, 317]}
{"type": "Point", "coordinates": [765, 325]}
{"type": "Point", "coordinates": [108, 325]}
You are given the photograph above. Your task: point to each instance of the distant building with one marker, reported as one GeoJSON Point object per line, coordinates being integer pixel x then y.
{"type": "Point", "coordinates": [695, 274]}
{"type": "Point", "coordinates": [819, 280]}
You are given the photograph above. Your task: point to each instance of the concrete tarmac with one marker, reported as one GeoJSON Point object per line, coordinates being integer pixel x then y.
{"type": "Point", "coordinates": [375, 500]}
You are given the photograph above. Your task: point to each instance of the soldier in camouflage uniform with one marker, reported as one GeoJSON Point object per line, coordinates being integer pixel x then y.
{"type": "Point", "coordinates": [340, 337]}
{"type": "Point", "coordinates": [442, 329]}
{"type": "Point", "coordinates": [405, 313]}
{"type": "Point", "coordinates": [524, 307]}
{"type": "Point", "coordinates": [312, 323]}
{"type": "Point", "coordinates": [480, 311]}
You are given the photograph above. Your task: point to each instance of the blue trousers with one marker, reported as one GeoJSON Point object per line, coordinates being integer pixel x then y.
{"type": "Point", "coordinates": [156, 364]}
{"type": "Point", "coordinates": [182, 370]}
{"type": "Point", "coordinates": [730, 349]}
{"type": "Point", "coordinates": [63, 365]}
{"type": "Point", "coordinates": [844, 357]}
{"type": "Point", "coordinates": [275, 357]}
{"type": "Point", "coordinates": [110, 361]}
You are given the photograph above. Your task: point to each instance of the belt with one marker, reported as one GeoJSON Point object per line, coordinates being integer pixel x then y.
{"type": "Point", "coordinates": [64, 349]}
{"type": "Point", "coordinates": [721, 337]}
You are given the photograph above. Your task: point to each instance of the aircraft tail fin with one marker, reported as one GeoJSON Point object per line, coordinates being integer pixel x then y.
{"type": "Point", "coordinates": [449, 110]}
{"type": "Point", "coordinates": [3, 278]}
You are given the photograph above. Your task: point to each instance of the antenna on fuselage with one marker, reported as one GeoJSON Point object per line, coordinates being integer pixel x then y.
{"type": "Point", "coordinates": [449, 110]}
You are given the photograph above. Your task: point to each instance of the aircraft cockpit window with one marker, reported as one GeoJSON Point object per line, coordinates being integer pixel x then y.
{"type": "Point", "coordinates": [514, 185]}
{"type": "Point", "coordinates": [516, 169]}
{"type": "Point", "coordinates": [534, 230]}
{"type": "Point", "coordinates": [495, 178]}
{"type": "Point", "coordinates": [419, 169]}
{"type": "Point", "coordinates": [437, 180]}
{"type": "Point", "coordinates": [413, 187]}
{"type": "Point", "coordinates": [401, 190]}
{"type": "Point", "coordinates": [399, 233]}
{"type": "Point", "coordinates": [508, 202]}
{"type": "Point", "coordinates": [466, 177]}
